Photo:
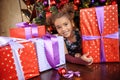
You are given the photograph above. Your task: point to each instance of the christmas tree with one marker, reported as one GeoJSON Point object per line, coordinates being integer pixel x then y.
{"type": "Point", "coordinates": [42, 7]}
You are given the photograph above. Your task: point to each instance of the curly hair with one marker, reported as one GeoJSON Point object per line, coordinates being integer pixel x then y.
{"type": "Point", "coordinates": [67, 11]}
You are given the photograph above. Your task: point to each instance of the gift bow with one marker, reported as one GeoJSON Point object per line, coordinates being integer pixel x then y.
{"type": "Point", "coordinates": [15, 47]}
{"type": "Point", "coordinates": [4, 41]}
{"type": "Point", "coordinates": [100, 18]}
{"type": "Point", "coordinates": [70, 74]}
{"type": "Point", "coordinates": [28, 28]}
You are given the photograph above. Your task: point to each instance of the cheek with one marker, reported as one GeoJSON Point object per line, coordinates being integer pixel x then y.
{"type": "Point", "coordinates": [59, 31]}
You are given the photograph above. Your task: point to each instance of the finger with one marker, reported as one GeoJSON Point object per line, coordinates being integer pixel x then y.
{"type": "Point", "coordinates": [86, 54]}
{"type": "Point", "coordinates": [90, 57]}
{"type": "Point", "coordinates": [91, 61]}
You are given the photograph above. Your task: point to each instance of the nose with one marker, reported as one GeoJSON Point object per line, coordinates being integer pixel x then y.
{"type": "Point", "coordinates": [63, 28]}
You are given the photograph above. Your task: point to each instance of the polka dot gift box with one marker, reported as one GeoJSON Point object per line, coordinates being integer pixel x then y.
{"type": "Point", "coordinates": [25, 30]}
{"type": "Point", "coordinates": [17, 61]}
{"type": "Point", "coordinates": [99, 29]}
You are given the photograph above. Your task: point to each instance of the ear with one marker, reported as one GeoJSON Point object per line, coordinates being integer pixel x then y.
{"type": "Point", "coordinates": [73, 24]}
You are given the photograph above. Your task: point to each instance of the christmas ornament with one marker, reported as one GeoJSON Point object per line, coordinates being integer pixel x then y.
{"type": "Point", "coordinates": [64, 2]}
{"type": "Point", "coordinates": [77, 2]}
{"type": "Point", "coordinates": [102, 1]}
{"type": "Point", "coordinates": [45, 3]}
{"type": "Point", "coordinates": [113, 2]}
{"type": "Point", "coordinates": [75, 7]}
{"type": "Point", "coordinates": [62, 71]}
{"type": "Point", "coordinates": [92, 1]}
{"type": "Point", "coordinates": [48, 14]}
{"type": "Point", "coordinates": [52, 2]}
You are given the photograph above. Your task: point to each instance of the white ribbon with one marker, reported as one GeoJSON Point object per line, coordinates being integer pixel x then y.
{"type": "Point", "coordinates": [15, 46]}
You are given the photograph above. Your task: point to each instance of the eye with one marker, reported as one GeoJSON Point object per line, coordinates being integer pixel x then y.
{"type": "Point", "coordinates": [65, 24]}
{"type": "Point", "coordinates": [58, 27]}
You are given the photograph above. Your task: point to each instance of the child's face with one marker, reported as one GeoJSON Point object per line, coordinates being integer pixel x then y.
{"type": "Point", "coordinates": [64, 27]}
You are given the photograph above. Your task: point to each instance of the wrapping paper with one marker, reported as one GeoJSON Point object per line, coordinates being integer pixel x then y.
{"type": "Point", "coordinates": [27, 31]}
{"type": "Point", "coordinates": [99, 29]}
{"type": "Point", "coordinates": [18, 59]}
{"type": "Point", "coordinates": [54, 60]}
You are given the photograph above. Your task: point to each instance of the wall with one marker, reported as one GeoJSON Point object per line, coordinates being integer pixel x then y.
{"type": "Point", "coordinates": [10, 14]}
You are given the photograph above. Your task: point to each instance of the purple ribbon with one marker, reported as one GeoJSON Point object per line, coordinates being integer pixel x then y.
{"type": "Point", "coordinates": [34, 30]}
{"type": "Point", "coordinates": [92, 1]}
{"type": "Point", "coordinates": [70, 74]}
{"type": "Point", "coordinates": [22, 24]}
{"type": "Point", "coordinates": [100, 18]}
{"type": "Point", "coordinates": [51, 49]}
{"type": "Point", "coordinates": [28, 28]}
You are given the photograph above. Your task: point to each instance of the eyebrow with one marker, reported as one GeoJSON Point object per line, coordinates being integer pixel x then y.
{"type": "Point", "coordinates": [57, 26]}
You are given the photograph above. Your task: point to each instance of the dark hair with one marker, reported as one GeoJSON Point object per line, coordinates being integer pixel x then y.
{"type": "Point", "coordinates": [67, 10]}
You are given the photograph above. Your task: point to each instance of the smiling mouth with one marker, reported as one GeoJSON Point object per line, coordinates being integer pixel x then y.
{"type": "Point", "coordinates": [66, 32]}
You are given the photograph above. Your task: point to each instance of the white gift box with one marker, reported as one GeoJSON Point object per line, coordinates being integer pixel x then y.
{"type": "Point", "coordinates": [42, 60]}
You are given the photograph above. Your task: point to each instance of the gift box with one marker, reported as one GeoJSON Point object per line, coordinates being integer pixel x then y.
{"type": "Point", "coordinates": [26, 31]}
{"type": "Point", "coordinates": [50, 52]}
{"type": "Point", "coordinates": [99, 30]}
{"type": "Point", "coordinates": [18, 59]}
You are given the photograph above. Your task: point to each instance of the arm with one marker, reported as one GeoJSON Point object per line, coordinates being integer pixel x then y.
{"type": "Point", "coordinates": [75, 60]}
{"type": "Point", "coordinates": [83, 60]}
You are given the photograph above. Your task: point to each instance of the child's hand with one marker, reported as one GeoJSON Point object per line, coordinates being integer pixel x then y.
{"type": "Point", "coordinates": [87, 59]}
{"type": "Point", "coordinates": [78, 55]}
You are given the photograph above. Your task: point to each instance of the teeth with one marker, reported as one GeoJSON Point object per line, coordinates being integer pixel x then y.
{"type": "Point", "coordinates": [65, 33]}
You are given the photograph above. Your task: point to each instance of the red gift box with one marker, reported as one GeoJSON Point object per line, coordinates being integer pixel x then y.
{"type": "Point", "coordinates": [18, 66]}
{"type": "Point", "coordinates": [99, 29]}
{"type": "Point", "coordinates": [26, 31]}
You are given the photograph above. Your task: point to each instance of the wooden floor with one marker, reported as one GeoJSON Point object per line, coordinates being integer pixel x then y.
{"type": "Point", "coordinates": [104, 71]}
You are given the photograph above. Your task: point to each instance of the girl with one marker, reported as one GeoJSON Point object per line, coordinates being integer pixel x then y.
{"type": "Point", "coordinates": [63, 22]}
